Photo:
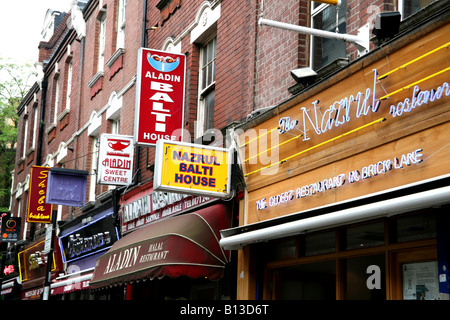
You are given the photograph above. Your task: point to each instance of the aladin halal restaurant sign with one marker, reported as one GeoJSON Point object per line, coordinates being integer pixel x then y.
{"type": "Point", "coordinates": [115, 160]}
{"type": "Point", "coordinates": [192, 169]}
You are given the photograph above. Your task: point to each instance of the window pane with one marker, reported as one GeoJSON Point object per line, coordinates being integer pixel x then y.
{"type": "Point", "coordinates": [203, 78]}
{"type": "Point", "coordinates": [204, 56]}
{"type": "Point", "coordinates": [208, 64]}
{"type": "Point", "coordinates": [320, 243]}
{"type": "Point", "coordinates": [364, 283]}
{"type": "Point", "coordinates": [416, 227]}
{"type": "Point", "coordinates": [315, 281]}
{"type": "Point", "coordinates": [364, 236]}
{"type": "Point", "coordinates": [282, 249]}
{"type": "Point", "coordinates": [325, 51]}
{"type": "Point", "coordinates": [414, 6]}
{"type": "Point", "coordinates": [210, 50]}
{"type": "Point", "coordinates": [211, 73]}
{"type": "Point", "coordinates": [209, 110]}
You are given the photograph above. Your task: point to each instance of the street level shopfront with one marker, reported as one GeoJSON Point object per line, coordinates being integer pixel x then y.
{"type": "Point", "coordinates": [33, 268]}
{"type": "Point", "coordinates": [81, 243]}
{"type": "Point", "coordinates": [348, 183]}
{"type": "Point", "coordinates": [169, 249]}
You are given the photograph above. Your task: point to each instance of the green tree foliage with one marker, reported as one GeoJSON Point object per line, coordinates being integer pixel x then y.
{"type": "Point", "coordinates": [13, 88]}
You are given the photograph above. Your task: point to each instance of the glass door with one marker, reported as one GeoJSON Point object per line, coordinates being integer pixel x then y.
{"type": "Point", "coordinates": [414, 275]}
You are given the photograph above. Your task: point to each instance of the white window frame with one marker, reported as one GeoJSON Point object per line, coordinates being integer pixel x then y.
{"type": "Point", "coordinates": [35, 126]}
{"type": "Point", "coordinates": [55, 115]}
{"type": "Point", "coordinates": [25, 137]}
{"type": "Point", "coordinates": [115, 125]}
{"type": "Point", "coordinates": [209, 86]}
{"type": "Point", "coordinates": [121, 19]}
{"type": "Point", "coordinates": [69, 85]}
{"type": "Point", "coordinates": [101, 44]}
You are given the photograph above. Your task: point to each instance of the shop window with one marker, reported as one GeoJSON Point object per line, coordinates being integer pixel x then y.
{"type": "Point", "coordinates": [320, 243]}
{"type": "Point", "coordinates": [416, 227]}
{"type": "Point", "coordinates": [283, 249]}
{"type": "Point", "coordinates": [365, 278]}
{"type": "Point", "coordinates": [323, 50]}
{"type": "Point", "coordinates": [314, 281]}
{"type": "Point", "coordinates": [364, 236]}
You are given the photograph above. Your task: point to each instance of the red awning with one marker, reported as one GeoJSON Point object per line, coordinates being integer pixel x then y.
{"type": "Point", "coordinates": [185, 245]}
{"type": "Point", "coordinates": [71, 284]}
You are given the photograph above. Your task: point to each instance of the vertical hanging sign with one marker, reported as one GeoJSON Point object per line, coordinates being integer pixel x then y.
{"type": "Point", "coordinates": [159, 110]}
{"type": "Point", "coordinates": [38, 210]}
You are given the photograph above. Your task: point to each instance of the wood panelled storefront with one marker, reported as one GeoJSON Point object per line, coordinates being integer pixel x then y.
{"type": "Point", "coordinates": [377, 130]}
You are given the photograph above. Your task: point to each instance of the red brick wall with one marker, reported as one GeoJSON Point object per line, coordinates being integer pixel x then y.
{"type": "Point", "coordinates": [253, 66]}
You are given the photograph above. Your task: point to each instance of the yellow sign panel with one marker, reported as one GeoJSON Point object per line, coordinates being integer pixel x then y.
{"type": "Point", "coordinates": [192, 169]}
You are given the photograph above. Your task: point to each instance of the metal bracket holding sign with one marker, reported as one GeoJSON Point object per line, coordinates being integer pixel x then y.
{"type": "Point", "coordinates": [192, 169]}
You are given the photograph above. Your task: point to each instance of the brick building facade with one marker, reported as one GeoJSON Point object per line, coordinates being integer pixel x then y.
{"type": "Point", "coordinates": [236, 70]}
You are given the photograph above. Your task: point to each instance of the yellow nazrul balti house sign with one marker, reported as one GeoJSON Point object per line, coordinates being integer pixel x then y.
{"type": "Point", "coordinates": [192, 169]}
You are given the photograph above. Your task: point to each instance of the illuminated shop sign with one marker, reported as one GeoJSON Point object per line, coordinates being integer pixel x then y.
{"type": "Point", "coordinates": [10, 229]}
{"type": "Point", "coordinates": [320, 118]}
{"type": "Point", "coordinates": [344, 110]}
{"type": "Point", "coordinates": [96, 236]}
{"type": "Point", "coordinates": [33, 262]}
{"type": "Point", "coordinates": [336, 181]}
{"type": "Point", "coordinates": [341, 111]}
{"type": "Point", "coordinates": [192, 169]}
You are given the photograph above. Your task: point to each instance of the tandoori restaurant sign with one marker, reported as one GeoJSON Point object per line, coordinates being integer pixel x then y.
{"type": "Point", "coordinates": [159, 96]}
{"type": "Point", "coordinates": [192, 169]}
{"type": "Point", "coordinates": [39, 210]}
{"type": "Point", "coordinates": [115, 160]}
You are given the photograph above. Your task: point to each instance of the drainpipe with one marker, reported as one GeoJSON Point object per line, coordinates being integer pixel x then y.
{"type": "Point", "coordinates": [41, 120]}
